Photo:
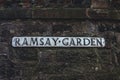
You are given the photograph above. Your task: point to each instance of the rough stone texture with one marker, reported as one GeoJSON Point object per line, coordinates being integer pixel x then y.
{"type": "Point", "coordinates": [100, 4]}
{"type": "Point", "coordinates": [70, 18]}
{"type": "Point", "coordinates": [60, 13]}
{"type": "Point", "coordinates": [61, 63]}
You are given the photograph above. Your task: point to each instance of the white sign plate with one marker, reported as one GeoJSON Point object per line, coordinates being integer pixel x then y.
{"type": "Point", "coordinates": [58, 42]}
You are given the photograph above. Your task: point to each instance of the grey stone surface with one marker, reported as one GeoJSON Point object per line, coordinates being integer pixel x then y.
{"type": "Point", "coordinates": [60, 63]}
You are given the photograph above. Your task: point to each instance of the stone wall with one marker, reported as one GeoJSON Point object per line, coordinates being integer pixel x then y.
{"type": "Point", "coordinates": [63, 63]}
